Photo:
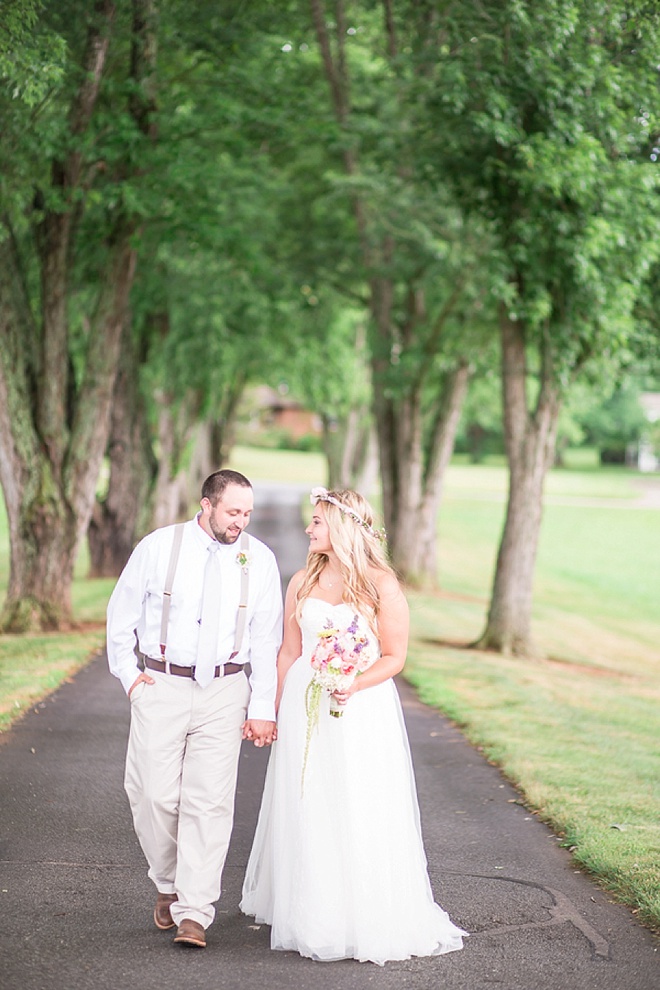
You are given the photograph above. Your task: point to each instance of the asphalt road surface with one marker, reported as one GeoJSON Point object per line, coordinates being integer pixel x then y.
{"type": "Point", "coordinates": [76, 903]}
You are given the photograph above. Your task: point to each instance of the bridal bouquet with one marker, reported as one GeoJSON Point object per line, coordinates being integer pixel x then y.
{"type": "Point", "coordinates": [338, 657]}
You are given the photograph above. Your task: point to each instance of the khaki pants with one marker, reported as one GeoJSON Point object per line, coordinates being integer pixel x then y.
{"type": "Point", "coordinates": [181, 770]}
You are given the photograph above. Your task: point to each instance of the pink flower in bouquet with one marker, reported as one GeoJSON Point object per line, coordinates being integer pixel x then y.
{"type": "Point", "coordinates": [324, 652]}
{"type": "Point", "coordinates": [341, 654]}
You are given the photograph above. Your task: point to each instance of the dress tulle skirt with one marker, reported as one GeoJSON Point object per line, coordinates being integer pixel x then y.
{"type": "Point", "coordinates": [337, 866]}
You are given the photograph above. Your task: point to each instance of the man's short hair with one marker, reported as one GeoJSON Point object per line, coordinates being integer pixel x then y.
{"type": "Point", "coordinates": [214, 487]}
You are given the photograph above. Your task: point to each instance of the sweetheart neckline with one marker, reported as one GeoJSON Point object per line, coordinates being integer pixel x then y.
{"type": "Point", "coordinates": [313, 598]}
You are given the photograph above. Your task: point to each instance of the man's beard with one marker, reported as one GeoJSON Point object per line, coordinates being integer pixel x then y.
{"type": "Point", "coordinates": [224, 536]}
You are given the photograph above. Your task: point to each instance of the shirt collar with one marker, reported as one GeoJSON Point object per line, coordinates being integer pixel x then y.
{"type": "Point", "coordinates": [201, 533]}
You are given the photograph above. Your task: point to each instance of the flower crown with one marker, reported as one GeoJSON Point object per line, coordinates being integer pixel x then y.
{"type": "Point", "coordinates": [322, 495]}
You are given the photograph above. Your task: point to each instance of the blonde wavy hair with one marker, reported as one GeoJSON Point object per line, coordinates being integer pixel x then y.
{"type": "Point", "coordinates": [357, 551]}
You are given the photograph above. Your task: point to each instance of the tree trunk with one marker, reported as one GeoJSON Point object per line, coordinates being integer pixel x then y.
{"type": "Point", "coordinates": [223, 424]}
{"type": "Point", "coordinates": [346, 445]}
{"type": "Point", "coordinates": [43, 543]}
{"type": "Point", "coordinates": [441, 447]}
{"type": "Point", "coordinates": [367, 471]}
{"type": "Point", "coordinates": [91, 413]}
{"type": "Point", "coordinates": [418, 477]}
{"type": "Point", "coordinates": [529, 441]}
{"type": "Point", "coordinates": [49, 497]}
{"type": "Point", "coordinates": [202, 461]}
{"type": "Point", "coordinates": [359, 456]}
{"type": "Point", "coordinates": [122, 517]}
{"type": "Point", "coordinates": [348, 452]}
{"type": "Point", "coordinates": [408, 460]}
{"type": "Point", "coordinates": [400, 479]}
{"type": "Point", "coordinates": [381, 302]}
{"type": "Point", "coordinates": [173, 495]}
{"type": "Point", "coordinates": [214, 438]}
{"type": "Point", "coordinates": [333, 439]}
{"type": "Point", "coordinates": [210, 450]}
{"type": "Point", "coordinates": [412, 472]}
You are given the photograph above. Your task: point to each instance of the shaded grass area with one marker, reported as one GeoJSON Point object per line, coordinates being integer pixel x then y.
{"type": "Point", "coordinates": [33, 666]}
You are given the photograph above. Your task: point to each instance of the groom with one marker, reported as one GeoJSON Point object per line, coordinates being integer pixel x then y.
{"type": "Point", "coordinates": [201, 598]}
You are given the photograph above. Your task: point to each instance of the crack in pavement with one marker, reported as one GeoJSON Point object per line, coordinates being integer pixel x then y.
{"type": "Point", "coordinates": [561, 911]}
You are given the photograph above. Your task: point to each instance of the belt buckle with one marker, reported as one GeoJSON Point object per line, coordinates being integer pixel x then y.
{"type": "Point", "coordinates": [221, 670]}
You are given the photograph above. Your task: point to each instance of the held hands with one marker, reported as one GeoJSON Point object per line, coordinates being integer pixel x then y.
{"type": "Point", "coordinates": [261, 732]}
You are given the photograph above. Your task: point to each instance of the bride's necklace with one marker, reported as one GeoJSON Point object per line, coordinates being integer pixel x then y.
{"type": "Point", "coordinates": [331, 584]}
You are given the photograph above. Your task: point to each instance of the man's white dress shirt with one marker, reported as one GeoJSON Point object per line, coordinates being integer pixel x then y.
{"type": "Point", "coordinates": [136, 606]}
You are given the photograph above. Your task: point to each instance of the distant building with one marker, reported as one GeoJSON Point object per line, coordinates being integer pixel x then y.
{"type": "Point", "coordinates": [276, 410]}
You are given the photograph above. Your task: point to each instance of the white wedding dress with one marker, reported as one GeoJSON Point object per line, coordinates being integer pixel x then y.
{"type": "Point", "coordinates": [337, 867]}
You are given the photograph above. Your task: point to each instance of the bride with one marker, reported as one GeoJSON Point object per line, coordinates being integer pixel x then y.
{"type": "Point", "coordinates": [337, 867]}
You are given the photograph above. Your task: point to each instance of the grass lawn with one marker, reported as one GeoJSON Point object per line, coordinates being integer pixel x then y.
{"type": "Point", "coordinates": [578, 729]}
{"type": "Point", "coordinates": [294, 466]}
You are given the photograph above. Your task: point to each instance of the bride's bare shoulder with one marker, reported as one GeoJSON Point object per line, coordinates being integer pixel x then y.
{"type": "Point", "coordinates": [294, 584]}
{"type": "Point", "coordinates": [389, 588]}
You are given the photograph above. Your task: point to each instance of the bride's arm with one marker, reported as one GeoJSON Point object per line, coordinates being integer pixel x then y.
{"type": "Point", "coordinates": [393, 623]}
{"type": "Point", "coordinates": [291, 647]}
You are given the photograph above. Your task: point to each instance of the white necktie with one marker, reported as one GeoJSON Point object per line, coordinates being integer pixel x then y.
{"type": "Point", "coordinates": [207, 646]}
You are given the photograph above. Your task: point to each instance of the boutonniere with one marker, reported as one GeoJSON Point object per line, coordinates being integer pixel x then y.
{"type": "Point", "coordinates": [243, 559]}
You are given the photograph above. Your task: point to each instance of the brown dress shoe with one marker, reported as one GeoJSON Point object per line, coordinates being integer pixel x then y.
{"type": "Point", "coordinates": [191, 933]}
{"type": "Point", "coordinates": [162, 915]}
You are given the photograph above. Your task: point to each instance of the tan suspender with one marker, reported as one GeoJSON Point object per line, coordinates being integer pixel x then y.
{"type": "Point", "coordinates": [167, 590]}
{"type": "Point", "coordinates": [241, 617]}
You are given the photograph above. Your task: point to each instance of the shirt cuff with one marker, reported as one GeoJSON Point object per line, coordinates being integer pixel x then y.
{"type": "Point", "coordinates": [128, 677]}
{"type": "Point", "coordinates": [264, 710]}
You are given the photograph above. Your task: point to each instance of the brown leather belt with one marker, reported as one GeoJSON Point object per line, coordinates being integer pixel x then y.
{"type": "Point", "coordinates": [172, 668]}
